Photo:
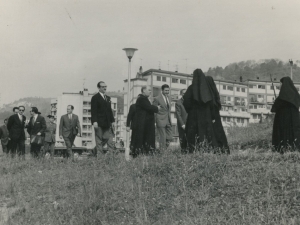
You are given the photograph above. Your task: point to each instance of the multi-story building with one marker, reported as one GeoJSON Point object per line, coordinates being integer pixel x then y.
{"type": "Point", "coordinates": [261, 97]}
{"type": "Point", "coordinates": [53, 108]}
{"type": "Point", "coordinates": [233, 95]}
{"type": "Point", "coordinates": [82, 107]}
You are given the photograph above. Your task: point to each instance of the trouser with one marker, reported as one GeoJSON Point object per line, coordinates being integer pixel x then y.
{"type": "Point", "coordinates": [69, 143]}
{"type": "Point", "coordinates": [4, 148]}
{"type": "Point", "coordinates": [164, 136]}
{"type": "Point", "coordinates": [103, 136]}
{"type": "Point", "coordinates": [49, 147]}
{"type": "Point", "coordinates": [17, 146]}
{"type": "Point", "coordinates": [182, 139]}
{"type": "Point", "coordinates": [35, 150]}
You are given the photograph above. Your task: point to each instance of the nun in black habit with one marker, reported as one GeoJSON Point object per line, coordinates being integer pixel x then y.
{"type": "Point", "coordinates": [219, 132]}
{"type": "Point", "coordinates": [286, 127]}
{"type": "Point", "coordinates": [198, 104]}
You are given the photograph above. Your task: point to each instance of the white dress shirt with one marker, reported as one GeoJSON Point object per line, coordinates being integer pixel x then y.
{"type": "Point", "coordinates": [103, 96]}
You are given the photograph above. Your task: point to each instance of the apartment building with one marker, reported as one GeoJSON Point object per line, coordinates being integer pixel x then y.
{"type": "Point", "coordinates": [233, 95]}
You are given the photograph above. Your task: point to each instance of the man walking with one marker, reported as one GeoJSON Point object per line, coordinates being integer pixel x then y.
{"type": "Point", "coordinates": [16, 126]}
{"type": "Point", "coordinates": [50, 132]}
{"type": "Point", "coordinates": [69, 127]}
{"type": "Point", "coordinates": [4, 136]}
{"type": "Point", "coordinates": [181, 116]}
{"type": "Point", "coordinates": [163, 117]}
{"type": "Point", "coordinates": [102, 119]}
{"type": "Point", "coordinates": [36, 128]}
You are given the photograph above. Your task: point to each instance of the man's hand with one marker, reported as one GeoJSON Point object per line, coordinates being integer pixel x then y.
{"type": "Point", "coordinates": [39, 134]}
{"type": "Point", "coordinates": [61, 137]}
{"type": "Point", "coordinates": [78, 135]}
{"type": "Point", "coordinates": [127, 129]}
{"type": "Point", "coordinates": [183, 127]}
{"type": "Point", "coordinates": [95, 124]}
{"type": "Point", "coordinates": [159, 107]}
{"type": "Point", "coordinates": [214, 121]}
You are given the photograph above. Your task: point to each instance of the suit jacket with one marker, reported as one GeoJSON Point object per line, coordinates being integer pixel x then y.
{"type": "Point", "coordinates": [39, 126]}
{"type": "Point", "coordinates": [16, 127]}
{"type": "Point", "coordinates": [130, 117]}
{"type": "Point", "coordinates": [181, 114]}
{"type": "Point", "coordinates": [67, 126]}
{"type": "Point", "coordinates": [50, 132]}
{"type": "Point", "coordinates": [4, 135]}
{"type": "Point", "coordinates": [163, 117]}
{"type": "Point", "coordinates": [101, 111]}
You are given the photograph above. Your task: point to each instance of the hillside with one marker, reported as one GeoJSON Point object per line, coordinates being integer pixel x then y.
{"type": "Point", "coordinates": [252, 69]}
{"type": "Point", "coordinates": [43, 104]}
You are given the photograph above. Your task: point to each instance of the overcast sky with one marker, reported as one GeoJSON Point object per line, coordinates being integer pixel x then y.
{"type": "Point", "coordinates": [49, 47]}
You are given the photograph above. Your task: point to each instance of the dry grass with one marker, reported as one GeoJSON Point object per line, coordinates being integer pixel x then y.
{"type": "Point", "coordinates": [243, 188]}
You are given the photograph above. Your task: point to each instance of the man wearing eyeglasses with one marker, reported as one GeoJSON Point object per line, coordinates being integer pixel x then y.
{"type": "Point", "coordinates": [15, 126]}
{"type": "Point", "coordinates": [102, 119]}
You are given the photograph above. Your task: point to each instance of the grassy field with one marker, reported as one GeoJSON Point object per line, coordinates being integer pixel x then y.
{"type": "Point", "coordinates": [253, 186]}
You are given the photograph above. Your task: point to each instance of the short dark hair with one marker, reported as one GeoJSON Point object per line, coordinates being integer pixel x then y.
{"type": "Point", "coordinates": [5, 120]}
{"type": "Point", "coordinates": [164, 86]}
{"type": "Point", "coordinates": [35, 110]}
{"type": "Point", "coordinates": [98, 85]}
{"type": "Point", "coordinates": [182, 91]}
{"type": "Point", "coordinates": [15, 108]}
{"type": "Point", "coordinates": [143, 88]}
{"type": "Point", "coordinates": [72, 107]}
{"type": "Point", "coordinates": [22, 107]}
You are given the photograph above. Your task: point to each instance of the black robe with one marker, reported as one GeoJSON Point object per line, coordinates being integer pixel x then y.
{"type": "Point", "coordinates": [143, 130]}
{"type": "Point", "coordinates": [286, 127]}
{"type": "Point", "coordinates": [219, 132]}
{"type": "Point", "coordinates": [198, 104]}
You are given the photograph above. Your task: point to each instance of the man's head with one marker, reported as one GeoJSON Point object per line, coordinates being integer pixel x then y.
{"type": "Point", "coordinates": [146, 91]}
{"type": "Point", "coordinates": [5, 121]}
{"type": "Point", "coordinates": [70, 109]}
{"type": "Point", "coordinates": [182, 92]}
{"type": "Point", "coordinates": [34, 111]}
{"type": "Point", "coordinates": [51, 118]}
{"type": "Point", "coordinates": [165, 89]}
{"type": "Point", "coordinates": [16, 110]}
{"type": "Point", "coordinates": [102, 87]}
{"type": "Point", "coordinates": [21, 110]}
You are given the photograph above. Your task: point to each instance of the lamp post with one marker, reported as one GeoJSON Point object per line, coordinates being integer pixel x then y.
{"type": "Point", "coordinates": [129, 53]}
{"type": "Point", "coordinates": [291, 63]}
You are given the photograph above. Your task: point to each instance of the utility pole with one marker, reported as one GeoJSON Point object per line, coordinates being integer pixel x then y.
{"type": "Point", "coordinates": [291, 63]}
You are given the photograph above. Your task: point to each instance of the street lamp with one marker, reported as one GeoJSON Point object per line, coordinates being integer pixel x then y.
{"type": "Point", "coordinates": [129, 53]}
{"type": "Point", "coordinates": [291, 63]}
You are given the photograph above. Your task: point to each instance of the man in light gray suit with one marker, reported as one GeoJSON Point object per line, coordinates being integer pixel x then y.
{"type": "Point", "coordinates": [69, 127]}
{"type": "Point", "coordinates": [163, 117]}
{"type": "Point", "coordinates": [181, 116]}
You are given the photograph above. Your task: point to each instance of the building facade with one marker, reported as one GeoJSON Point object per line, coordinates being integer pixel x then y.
{"type": "Point", "coordinates": [82, 107]}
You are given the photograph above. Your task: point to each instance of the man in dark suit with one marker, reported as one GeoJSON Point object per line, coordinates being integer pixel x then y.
{"type": "Point", "coordinates": [16, 126]}
{"type": "Point", "coordinates": [130, 118]}
{"type": "Point", "coordinates": [50, 136]}
{"type": "Point", "coordinates": [4, 136]}
{"type": "Point", "coordinates": [36, 127]}
{"type": "Point", "coordinates": [69, 127]}
{"type": "Point", "coordinates": [102, 119]}
{"type": "Point", "coordinates": [163, 117]}
{"type": "Point", "coordinates": [181, 116]}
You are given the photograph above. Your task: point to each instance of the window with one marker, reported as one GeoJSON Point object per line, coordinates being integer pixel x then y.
{"type": "Point", "coordinates": [251, 86]}
{"type": "Point", "coordinates": [238, 89]}
{"type": "Point", "coordinates": [242, 120]}
{"type": "Point", "coordinates": [243, 90]}
{"type": "Point", "coordinates": [164, 79]}
{"type": "Point", "coordinates": [156, 91]}
{"type": "Point", "coordinates": [261, 86]}
{"type": "Point", "coordinates": [224, 87]}
{"type": "Point", "coordinates": [223, 99]}
{"type": "Point", "coordinates": [255, 106]}
{"type": "Point", "coordinates": [228, 119]}
{"type": "Point", "coordinates": [158, 78]}
{"type": "Point", "coordinates": [238, 120]}
{"type": "Point", "coordinates": [278, 87]}
{"type": "Point", "coordinates": [174, 80]}
{"type": "Point", "coordinates": [255, 116]}
{"type": "Point", "coordinates": [230, 88]}
{"type": "Point", "coordinates": [271, 87]}
{"type": "Point", "coordinates": [224, 119]}
{"type": "Point", "coordinates": [237, 101]}
{"type": "Point", "coordinates": [251, 107]}
{"type": "Point", "coordinates": [228, 98]}
{"type": "Point", "coordinates": [183, 81]}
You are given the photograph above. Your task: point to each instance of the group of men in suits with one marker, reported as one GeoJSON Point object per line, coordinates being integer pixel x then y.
{"type": "Point", "coordinates": [163, 120]}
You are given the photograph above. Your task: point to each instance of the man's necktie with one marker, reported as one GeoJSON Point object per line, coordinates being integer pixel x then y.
{"type": "Point", "coordinates": [167, 102]}
{"type": "Point", "coordinates": [104, 97]}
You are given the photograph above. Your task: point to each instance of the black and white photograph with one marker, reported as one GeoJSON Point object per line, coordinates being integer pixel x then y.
{"type": "Point", "coordinates": [149, 112]}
